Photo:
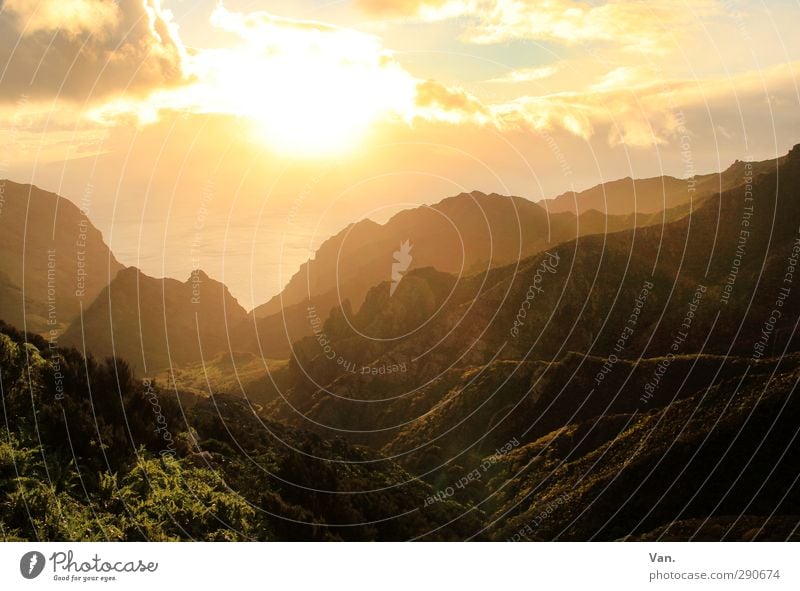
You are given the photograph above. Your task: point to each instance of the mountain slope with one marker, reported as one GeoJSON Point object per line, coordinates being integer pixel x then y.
{"type": "Point", "coordinates": [104, 457]}
{"type": "Point", "coordinates": [157, 323]}
{"type": "Point", "coordinates": [464, 235]}
{"type": "Point", "coordinates": [726, 454]}
{"type": "Point", "coordinates": [651, 195]}
{"type": "Point", "coordinates": [663, 293]}
{"type": "Point", "coordinates": [53, 254]}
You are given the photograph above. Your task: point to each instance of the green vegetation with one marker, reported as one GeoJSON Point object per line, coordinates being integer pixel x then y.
{"type": "Point", "coordinates": [88, 452]}
{"type": "Point", "coordinates": [244, 373]}
{"type": "Point", "coordinates": [648, 392]}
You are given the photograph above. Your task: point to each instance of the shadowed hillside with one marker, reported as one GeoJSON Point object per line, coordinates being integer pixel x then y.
{"type": "Point", "coordinates": [157, 323]}
{"type": "Point", "coordinates": [52, 255]}
{"type": "Point", "coordinates": [634, 384]}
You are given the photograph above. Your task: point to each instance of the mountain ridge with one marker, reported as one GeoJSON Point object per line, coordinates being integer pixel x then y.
{"type": "Point", "coordinates": [653, 194]}
{"type": "Point", "coordinates": [55, 259]}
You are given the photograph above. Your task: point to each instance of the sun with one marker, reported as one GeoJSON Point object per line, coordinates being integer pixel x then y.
{"type": "Point", "coordinates": [309, 91]}
{"type": "Point", "coordinates": [310, 107]}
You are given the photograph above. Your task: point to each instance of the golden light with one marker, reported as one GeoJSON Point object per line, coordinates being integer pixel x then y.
{"type": "Point", "coordinates": [309, 89]}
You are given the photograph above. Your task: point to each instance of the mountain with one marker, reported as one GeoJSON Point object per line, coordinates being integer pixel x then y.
{"type": "Point", "coordinates": [651, 195]}
{"type": "Point", "coordinates": [632, 385]}
{"type": "Point", "coordinates": [54, 259]}
{"type": "Point", "coordinates": [628, 384]}
{"type": "Point", "coordinates": [156, 324]}
{"type": "Point", "coordinates": [464, 235]}
{"type": "Point", "coordinates": [715, 465]}
{"type": "Point", "coordinates": [404, 369]}
{"type": "Point", "coordinates": [241, 373]}
{"type": "Point", "coordinates": [142, 464]}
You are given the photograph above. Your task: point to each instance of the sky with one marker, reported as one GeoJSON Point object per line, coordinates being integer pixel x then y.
{"type": "Point", "coordinates": [236, 136]}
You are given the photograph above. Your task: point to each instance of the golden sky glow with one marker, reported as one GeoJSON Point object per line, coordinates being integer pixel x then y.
{"type": "Point", "coordinates": [340, 110]}
{"type": "Point", "coordinates": [312, 87]}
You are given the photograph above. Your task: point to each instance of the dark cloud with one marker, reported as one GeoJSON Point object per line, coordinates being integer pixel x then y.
{"type": "Point", "coordinates": [86, 49]}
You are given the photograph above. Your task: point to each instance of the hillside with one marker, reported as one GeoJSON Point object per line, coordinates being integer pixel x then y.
{"type": "Point", "coordinates": [641, 303]}
{"type": "Point", "coordinates": [718, 462]}
{"type": "Point", "coordinates": [654, 194]}
{"type": "Point", "coordinates": [466, 235]}
{"type": "Point", "coordinates": [211, 470]}
{"type": "Point", "coordinates": [549, 397]}
{"type": "Point", "coordinates": [156, 324]}
{"type": "Point", "coordinates": [52, 254]}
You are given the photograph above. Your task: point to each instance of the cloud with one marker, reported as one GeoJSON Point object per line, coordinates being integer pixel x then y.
{"type": "Point", "coordinates": [308, 86]}
{"type": "Point", "coordinates": [266, 32]}
{"type": "Point", "coordinates": [622, 76]}
{"type": "Point", "coordinates": [429, 9]}
{"type": "Point", "coordinates": [525, 75]}
{"type": "Point", "coordinates": [636, 25]}
{"type": "Point", "coordinates": [69, 16]}
{"type": "Point", "coordinates": [635, 111]}
{"type": "Point", "coordinates": [81, 50]}
{"type": "Point", "coordinates": [438, 102]}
